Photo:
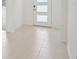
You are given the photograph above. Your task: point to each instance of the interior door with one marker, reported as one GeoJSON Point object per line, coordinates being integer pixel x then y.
{"type": "Point", "coordinates": [42, 12]}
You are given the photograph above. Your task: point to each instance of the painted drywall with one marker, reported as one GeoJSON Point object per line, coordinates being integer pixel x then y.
{"type": "Point", "coordinates": [59, 17]}
{"type": "Point", "coordinates": [57, 13]}
{"type": "Point", "coordinates": [72, 28]}
{"type": "Point", "coordinates": [14, 15]}
{"type": "Point", "coordinates": [28, 12]}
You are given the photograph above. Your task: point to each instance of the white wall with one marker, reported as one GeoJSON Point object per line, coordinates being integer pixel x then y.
{"type": "Point", "coordinates": [59, 17]}
{"type": "Point", "coordinates": [57, 11]}
{"type": "Point", "coordinates": [71, 30]}
{"type": "Point", "coordinates": [14, 15]}
{"type": "Point", "coordinates": [28, 12]}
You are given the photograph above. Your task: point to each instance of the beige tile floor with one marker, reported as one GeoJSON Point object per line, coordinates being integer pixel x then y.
{"type": "Point", "coordinates": [30, 42]}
